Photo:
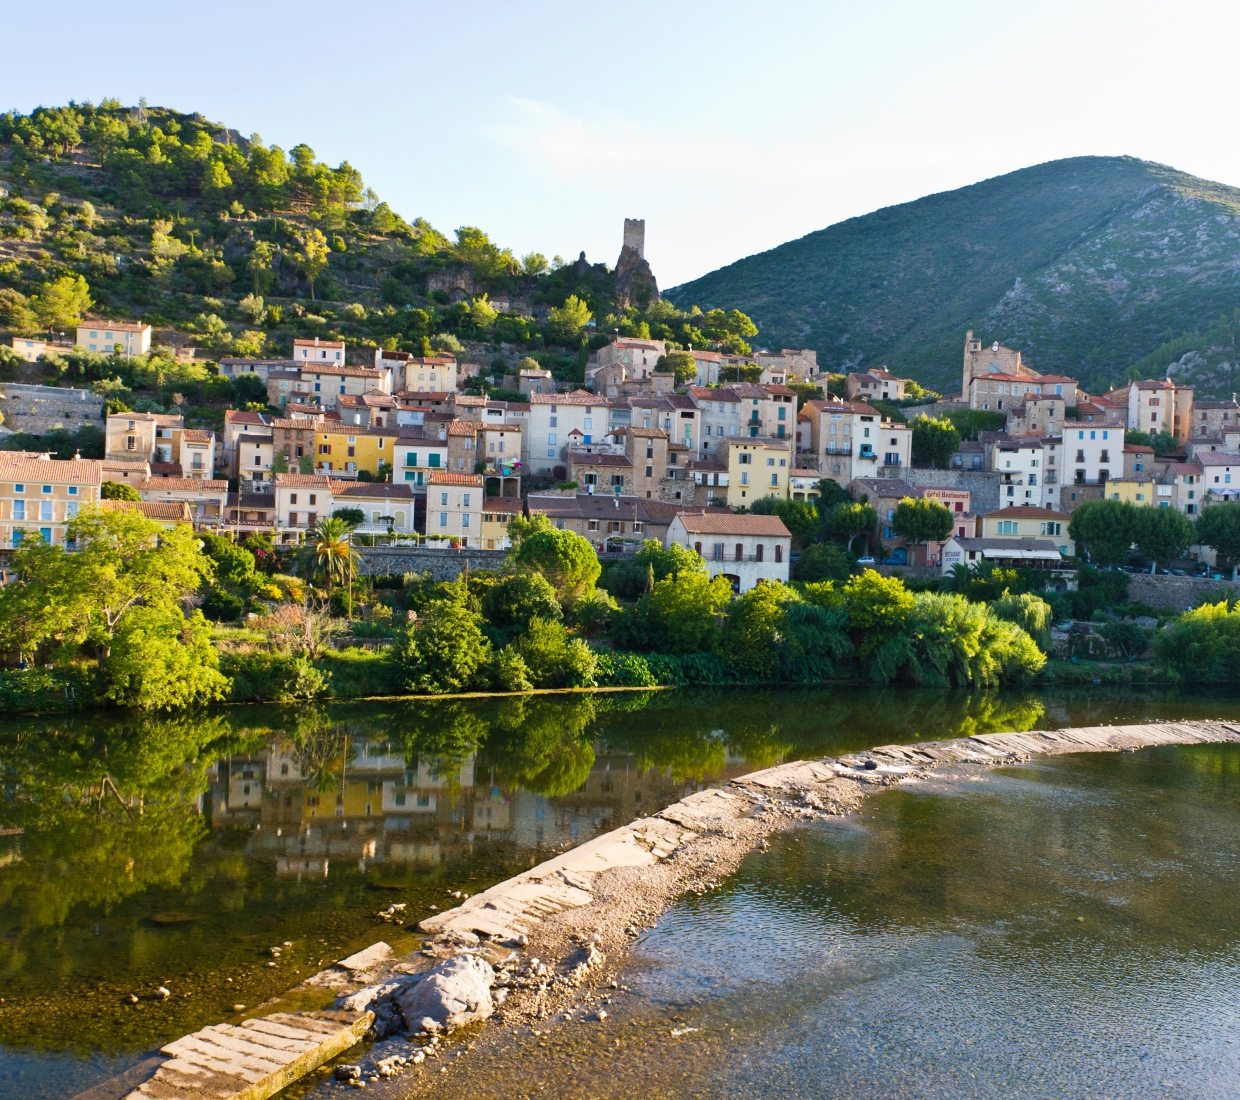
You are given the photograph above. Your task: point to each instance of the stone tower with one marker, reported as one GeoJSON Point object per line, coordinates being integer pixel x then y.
{"type": "Point", "coordinates": [635, 235]}
{"type": "Point", "coordinates": [635, 282]}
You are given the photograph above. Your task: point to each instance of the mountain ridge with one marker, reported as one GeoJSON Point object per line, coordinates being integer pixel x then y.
{"type": "Point", "coordinates": [1088, 265]}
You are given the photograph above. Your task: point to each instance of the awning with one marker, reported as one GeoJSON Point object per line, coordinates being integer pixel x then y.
{"type": "Point", "coordinates": [1018, 552]}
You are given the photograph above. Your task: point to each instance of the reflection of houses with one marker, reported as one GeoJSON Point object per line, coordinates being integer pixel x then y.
{"type": "Point", "coordinates": [311, 821]}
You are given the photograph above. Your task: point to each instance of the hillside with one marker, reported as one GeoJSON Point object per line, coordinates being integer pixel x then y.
{"type": "Point", "coordinates": [1088, 265]}
{"type": "Point", "coordinates": [234, 247]}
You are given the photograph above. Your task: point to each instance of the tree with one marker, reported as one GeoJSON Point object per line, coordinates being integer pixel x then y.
{"type": "Point", "coordinates": [513, 601]}
{"type": "Point", "coordinates": [62, 303]}
{"type": "Point", "coordinates": [260, 267]}
{"type": "Point", "coordinates": [1104, 529]}
{"type": "Point", "coordinates": [877, 607]}
{"type": "Point", "coordinates": [161, 660]}
{"type": "Point", "coordinates": [566, 559]}
{"type": "Point", "coordinates": [1031, 613]}
{"type": "Point", "coordinates": [118, 490]}
{"type": "Point", "coordinates": [681, 364]}
{"type": "Point", "coordinates": [922, 520]}
{"type": "Point", "coordinates": [853, 519]}
{"type": "Point", "coordinates": [1162, 534]}
{"type": "Point", "coordinates": [1218, 527]}
{"type": "Point", "coordinates": [16, 314]}
{"type": "Point", "coordinates": [831, 493]}
{"type": "Point", "coordinates": [824, 561]}
{"type": "Point", "coordinates": [328, 557]}
{"type": "Point", "coordinates": [123, 560]}
{"type": "Point", "coordinates": [678, 615]}
{"type": "Point", "coordinates": [353, 517]}
{"type": "Point", "coordinates": [444, 651]}
{"type": "Point", "coordinates": [934, 441]}
{"type": "Point", "coordinates": [312, 257]}
{"type": "Point", "coordinates": [566, 321]}
{"type": "Point", "coordinates": [553, 658]}
{"type": "Point", "coordinates": [751, 634]}
{"type": "Point", "coordinates": [669, 561]}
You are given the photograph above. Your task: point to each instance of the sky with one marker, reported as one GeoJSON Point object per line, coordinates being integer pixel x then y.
{"type": "Point", "coordinates": [730, 127]}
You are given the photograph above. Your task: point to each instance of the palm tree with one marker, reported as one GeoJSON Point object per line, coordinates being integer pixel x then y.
{"type": "Point", "coordinates": [327, 556]}
{"type": "Point", "coordinates": [959, 577]}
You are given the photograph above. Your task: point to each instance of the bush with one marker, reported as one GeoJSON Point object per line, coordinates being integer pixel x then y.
{"type": "Point", "coordinates": [509, 671]}
{"type": "Point", "coordinates": [554, 659]}
{"type": "Point", "coordinates": [824, 561]}
{"type": "Point", "coordinates": [273, 677]}
{"type": "Point", "coordinates": [1202, 646]}
{"type": "Point", "coordinates": [1098, 591]}
{"type": "Point", "coordinates": [40, 690]}
{"type": "Point", "coordinates": [221, 606]}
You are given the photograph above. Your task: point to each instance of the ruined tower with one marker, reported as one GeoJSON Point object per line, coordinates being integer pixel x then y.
{"type": "Point", "coordinates": [635, 282]}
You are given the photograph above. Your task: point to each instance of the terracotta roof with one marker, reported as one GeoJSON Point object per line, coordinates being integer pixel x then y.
{"type": "Point", "coordinates": [643, 433]}
{"type": "Point", "coordinates": [118, 326]}
{"type": "Point", "coordinates": [576, 397]}
{"type": "Point", "coordinates": [775, 388]}
{"type": "Point", "coordinates": [318, 342]}
{"type": "Point", "coordinates": [1217, 458]}
{"type": "Point", "coordinates": [123, 463]}
{"type": "Point", "coordinates": [424, 395]}
{"type": "Point", "coordinates": [803, 473]}
{"type": "Point", "coordinates": [85, 471]}
{"type": "Point", "coordinates": [464, 427]}
{"type": "Point", "coordinates": [338, 428]}
{"type": "Point", "coordinates": [1137, 448]}
{"type": "Point", "coordinates": [182, 484]}
{"type": "Point", "coordinates": [712, 356]}
{"type": "Point", "coordinates": [166, 469]}
{"type": "Point", "coordinates": [153, 509]}
{"type": "Point", "coordinates": [240, 416]}
{"type": "Point", "coordinates": [705, 393]}
{"type": "Point", "coordinates": [254, 440]}
{"type": "Point", "coordinates": [167, 420]}
{"type": "Point", "coordinates": [1186, 467]}
{"type": "Point", "coordinates": [443, 477]}
{"type": "Point", "coordinates": [372, 490]}
{"type": "Point", "coordinates": [300, 423]}
{"type": "Point", "coordinates": [309, 366]}
{"type": "Point", "coordinates": [371, 399]}
{"type": "Point", "coordinates": [469, 400]}
{"type": "Point", "coordinates": [196, 435]}
{"type": "Point", "coordinates": [302, 481]}
{"type": "Point", "coordinates": [765, 526]}
{"type": "Point", "coordinates": [502, 504]}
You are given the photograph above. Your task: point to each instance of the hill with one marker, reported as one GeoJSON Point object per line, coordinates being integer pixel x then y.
{"type": "Point", "coordinates": [235, 247]}
{"type": "Point", "coordinates": [1089, 266]}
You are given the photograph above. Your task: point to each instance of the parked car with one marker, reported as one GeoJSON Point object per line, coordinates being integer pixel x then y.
{"type": "Point", "coordinates": [1178, 573]}
{"type": "Point", "coordinates": [867, 560]}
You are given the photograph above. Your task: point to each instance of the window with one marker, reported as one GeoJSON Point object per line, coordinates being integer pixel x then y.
{"type": "Point", "coordinates": [292, 498]}
{"type": "Point", "coordinates": [443, 519]}
{"type": "Point", "coordinates": [465, 501]}
{"type": "Point", "coordinates": [45, 511]}
{"type": "Point", "coordinates": [19, 508]}
{"type": "Point", "coordinates": [774, 481]}
{"type": "Point", "coordinates": [758, 552]}
{"type": "Point", "coordinates": [779, 554]}
{"type": "Point", "coordinates": [443, 500]}
{"type": "Point", "coordinates": [718, 551]}
{"type": "Point", "coordinates": [465, 519]}
{"type": "Point", "coordinates": [740, 552]}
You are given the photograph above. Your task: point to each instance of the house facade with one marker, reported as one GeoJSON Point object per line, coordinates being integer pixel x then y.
{"type": "Point", "coordinates": [746, 550]}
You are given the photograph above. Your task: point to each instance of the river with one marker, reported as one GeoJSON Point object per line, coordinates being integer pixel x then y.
{"type": "Point", "coordinates": [139, 852]}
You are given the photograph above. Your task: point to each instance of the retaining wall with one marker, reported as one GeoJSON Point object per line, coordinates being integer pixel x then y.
{"type": "Point", "coordinates": [1179, 593]}
{"type": "Point", "coordinates": [443, 565]}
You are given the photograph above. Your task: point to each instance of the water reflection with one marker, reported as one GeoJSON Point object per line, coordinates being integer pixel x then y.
{"type": "Point", "coordinates": [140, 852]}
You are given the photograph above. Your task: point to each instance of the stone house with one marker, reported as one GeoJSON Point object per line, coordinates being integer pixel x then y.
{"type": "Point", "coordinates": [874, 385]}
{"type": "Point", "coordinates": [746, 550]}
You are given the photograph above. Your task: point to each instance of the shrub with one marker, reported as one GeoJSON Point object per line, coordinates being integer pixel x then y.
{"type": "Point", "coordinates": [554, 659]}
{"type": "Point", "coordinates": [444, 652]}
{"type": "Point", "coordinates": [509, 671]}
{"type": "Point", "coordinates": [273, 677]}
{"type": "Point", "coordinates": [1202, 646]}
{"type": "Point", "coordinates": [824, 561]}
{"type": "Point", "coordinates": [221, 606]}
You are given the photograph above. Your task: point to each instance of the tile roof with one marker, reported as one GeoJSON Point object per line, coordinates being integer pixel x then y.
{"type": "Point", "coordinates": [443, 477]}
{"type": "Point", "coordinates": [153, 509]}
{"type": "Point", "coordinates": [166, 469]}
{"type": "Point", "coordinates": [241, 416]}
{"type": "Point", "coordinates": [118, 326]}
{"type": "Point", "coordinates": [797, 472]}
{"type": "Point", "coordinates": [166, 420]}
{"type": "Point", "coordinates": [1217, 458]}
{"type": "Point", "coordinates": [318, 342]}
{"type": "Point", "coordinates": [1026, 512]}
{"type": "Point", "coordinates": [123, 463]}
{"type": "Point", "coordinates": [575, 397]}
{"type": "Point", "coordinates": [254, 440]}
{"type": "Point", "coordinates": [371, 399]}
{"type": "Point", "coordinates": [505, 505]}
{"type": "Point", "coordinates": [197, 435]}
{"type": "Point", "coordinates": [765, 526]}
{"type": "Point", "coordinates": [182, 484]}
{"type": "Point", "coordinates": [705, 393]}
{"type": "Point", "coordinates": [372, 490]}
{"type": "Point", "coordinates": [338, 428]}
{"type": "Point", "coordinates": [84, 471]}
{"type": "Point", "coordinates": [302, 481]}
{"type": "Point", "coordinates": [309, 366]}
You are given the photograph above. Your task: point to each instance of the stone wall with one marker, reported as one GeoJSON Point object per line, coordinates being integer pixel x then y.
{"type": "Point", "coordinates": [39, 409]}
{"type": "Point", "coordinates": [443, 565]}
{"type": "Point", "coordinates": [983, 485]}
{"type": "Point", "coordinates": [1178, 593]}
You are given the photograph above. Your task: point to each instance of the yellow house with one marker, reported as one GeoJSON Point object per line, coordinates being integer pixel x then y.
{"type": "Point", "coordinates": [1027, 522]}
{"type": "Point", "coordinates": [39, 496]}
{"type": "Point", "coordinates": [342, 450]}
{"type": "Point", "coordinates": [1132, 490]}
{"type": "Point", "coordinates": [757, 467]}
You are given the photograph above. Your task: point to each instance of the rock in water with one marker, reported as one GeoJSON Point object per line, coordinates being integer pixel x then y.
{"type": "Point", "coordinates": [454, 993]}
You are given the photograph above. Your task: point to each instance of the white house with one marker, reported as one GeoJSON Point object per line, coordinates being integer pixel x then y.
{"type": "Point", "coordinates": [301, 499]}
{"type": "Point", "coordinates": [1007, 552]}
{"type": "Point", "coordinates": [383, 506]}
{"type": "Point", "coordinates": [106, 337]}
{"type": "Point", "coordinates": [416, 458]}
{"type": "Point", "coordinates": [745, 549]}
{"type": "Point", "coordinates": [319, 352]}
{"type": "Point", "coordinates": [454, 506]}
{"type": "Point", "coordinates": [1091, 453]}
{"type": "Point", "coordinates": [552, 417]}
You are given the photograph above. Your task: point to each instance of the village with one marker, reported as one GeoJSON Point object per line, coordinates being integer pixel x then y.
{"type": "Point", "coordinates": [628, 456]}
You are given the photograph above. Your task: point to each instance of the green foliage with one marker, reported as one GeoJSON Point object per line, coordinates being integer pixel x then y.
{"type": "Point", "coordinates": [1218, 527]}
{"type": "Point", "coordinates": [234, 565]}
{"type": "Point", "coordinates": [681, 364]}
{"type": "Point", "coordinates": [850, 519]}
{"type": "Point", "coordinates": [1126, 636]}
{"type": "Point", "coordinates": [1202, 646]}
{"type": "Point", "coordinates": [877, 607]}
{"type": "Point", "coordinates": [669, 561]}
{"type": "Point", "coordinates": [678, 615]}
{"type": "Point", "coordinates": [824, 561]}
{"type": "Point", "coordinates": [1163, 533]}
{"type": "Point", "coordinates": [553, 658]}
{"type": "Point", "coordinates": [968, 422]}
{"type": "Point", "coordinates": [934, 441]}
{"type": "Point", "coordinates": [221, 606]}
{"type": "Point", "coordinates": [1105, 530]}
{"type": "Point", "coordinates": [751, 635]}
{"type": "Point", "coordinates": [353, 517]}
{"type": "Point", "coordinates": [1031, 613]}
{"type": "Point", "coordinates": [509, 671]}
{"type": "Point", "coordinates": [160, 660]}
{"type": "Point", "coordinates": [566, 559]}
{"type": "Point", "coordinates": [61, 304]}
{"type": "Point", "coordinates": [445, 652]}
{"type": "Point", "coordinates": [922, 520]}
{"type": "Point", "coordinates": [273, 677]}
{"type": "Point", "coordinates": [1162, 442]}
{"type": "Point", "coordinates": [117, 490]}
{"type": "Point", "coordinates": [1098, 590]}
{"type": "Point", "coordinates": [513, 601]}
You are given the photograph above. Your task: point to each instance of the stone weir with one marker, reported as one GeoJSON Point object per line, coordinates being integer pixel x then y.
{"type": "Point", "coordinates": [760, 802]}
{"type": "Point", "coordinates": [484, 959]}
